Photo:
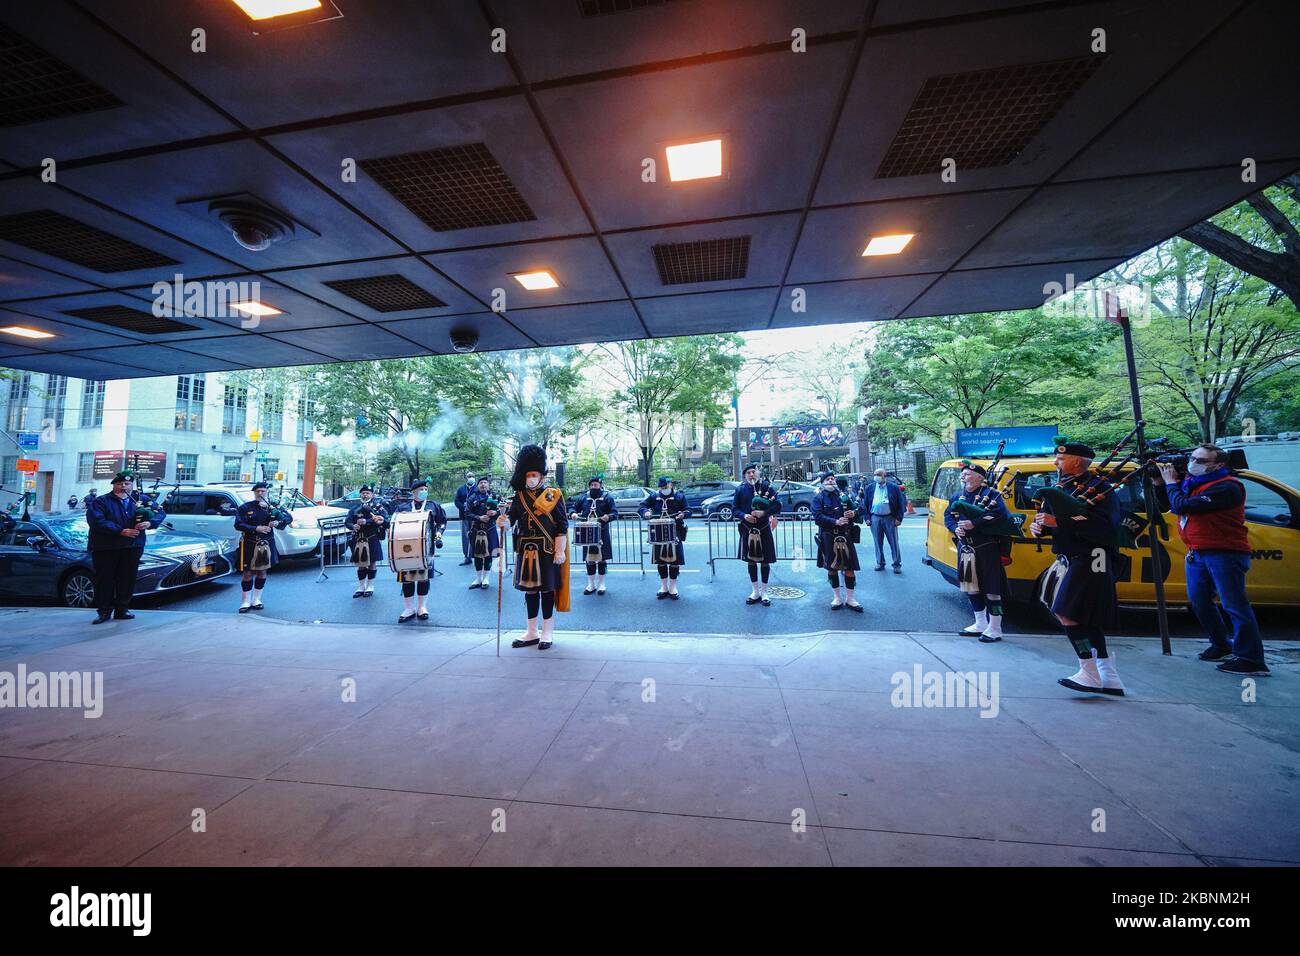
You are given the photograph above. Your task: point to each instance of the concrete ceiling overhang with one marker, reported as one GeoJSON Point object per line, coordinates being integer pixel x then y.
{"type": "Point", "coordinates": [820, 152]}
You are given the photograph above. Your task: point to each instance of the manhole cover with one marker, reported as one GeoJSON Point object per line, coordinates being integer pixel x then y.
{"type": "Point", "coordinates": [784, 592]}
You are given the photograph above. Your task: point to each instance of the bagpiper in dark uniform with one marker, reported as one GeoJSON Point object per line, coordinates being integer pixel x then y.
{"type": "Point", "coordinates": [257, 520]}
{"type": "Point", "coordinates": [838, 532]}
{"type": "Point", "coordinates": [119, 525]}
{"type": "Point", "coordinates": [1088, 565]}
{"type": "Point", "coordinates": [757, 546]}
{"type": "Point", "coordinates": [410, 585]}
{"type": "Point", "coordinates": [669, 557]}
{"type": "Point", "coordinates": [987, 579]}
{"type": "Point", "coordinates": [541, 527]}
{"type": "Point", "coordinates": [595, 505]}
{"type": "Point", "coordinates": [482, 509]}
{"type": "Point", "coordinates": [463, 494]}
{"type": "Point", "coordinates": [366, 522]}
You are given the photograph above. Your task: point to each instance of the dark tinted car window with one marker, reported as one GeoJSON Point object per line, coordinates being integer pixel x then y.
{"type": "Point", "coordinates": [946, 483]}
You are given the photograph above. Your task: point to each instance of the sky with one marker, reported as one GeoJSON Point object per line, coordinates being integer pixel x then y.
{"type": "Point", "coordinates": [763, 402]}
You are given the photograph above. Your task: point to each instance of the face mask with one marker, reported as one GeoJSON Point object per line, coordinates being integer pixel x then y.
{"type": "Point", "coordinates": [828, 488]}
{"type": "Point", "coordinates": [1197, 468]}
{"type": "Point", "coordinates": [533, 482]}
{"type": "Point", "coordinates": [665, 492]}
{"type": "Point", "coordinates": [421, 495]}
{"type": "Point", "coordinates": [880, 479]}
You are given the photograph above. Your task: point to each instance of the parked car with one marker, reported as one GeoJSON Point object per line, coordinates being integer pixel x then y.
{"type": "Point", "coordinates": [795, 496]}
{"type": "Point", "coordinates": [697, 491]}
{"type": "Point", "coordinates": [46, 559]}
{"type": "Point", "coordinates": [628, 500]}
{"type": "Point", "coordinates": [1272, 523]}
{"type": "Point", "coordinates": [210, 509]}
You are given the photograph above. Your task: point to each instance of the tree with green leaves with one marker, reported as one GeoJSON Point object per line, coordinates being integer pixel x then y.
{"type": "Point", "coordinates": [959, 371]}
{"type": "Point", "coordinates": [655, 381]}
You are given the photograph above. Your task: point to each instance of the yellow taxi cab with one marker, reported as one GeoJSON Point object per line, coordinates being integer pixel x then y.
{"type": "Point", "coordinates": [1272, 521]}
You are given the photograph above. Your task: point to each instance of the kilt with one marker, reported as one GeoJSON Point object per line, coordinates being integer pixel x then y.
{"type": "Point", "coordinates": [376, 542]}
{"type": "Point", "coordinates": [532, 559]}
{"type": "Point", "coordinates": [1087, 596]}
{"type": "Point", "coordinates": [246, 559]}
{"type": "Point", "coordinates": [989, 576]}
{"type": "Point", "coordinates": [484, 539]}
{"type": "Point", "coordinates": [827, 547]}
{"type": "Point", "coordinates": [769, 544]}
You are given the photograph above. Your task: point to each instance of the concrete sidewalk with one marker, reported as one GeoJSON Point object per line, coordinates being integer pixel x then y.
{"type": "Point", "coordinates": [630, 749]}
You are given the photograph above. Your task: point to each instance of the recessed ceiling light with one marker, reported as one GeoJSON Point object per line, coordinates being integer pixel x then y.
{"type": "Point", "coordinates": [538, 279]}
{"type": "Point", "coordinates": [266, 9]}
{"type": "Point", "coordinates": [702, 160]}
{"type": "Point", "coordinates": [255, 308]}
{"type": "Point", "coordinates": [26, 333]}
{"type": "Point", "coordinates": [888, 245]}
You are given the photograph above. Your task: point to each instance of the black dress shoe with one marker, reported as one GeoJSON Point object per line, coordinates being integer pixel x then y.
{"type": "Point", "coordinates": [259, 606]}
{"type": "Point", "coordinates": [588, 590]}
{"type": "Point", "coordinates": [358, 593]}
{"type": "Point", "coordinates": [123, 616]}
{"type": "Point", "coordinates": [1214, 654]}
{"type": "Point", "coordinates": [403, 618]}
{"type": "Point", "coordinates": [674, 595]}
{"type": "Point", "coordinates": [766, 603]}
{"type": "Point", "coordinates": [837, 607]}
{"type": "Point", "coordinates": [989, 639]}
{"type": "Point", "coordinates": [103, 616]}
{"type": "Point", "coordinates": [474, 586]}
{"type": "Point", "coordinates": [600, 592]}
{"type": "Point", "coordinates": [897, 569]}
{"type": "Point", "coordinates": [661, 595]}
{"type": "Point", "coordinates": [423, 615]}
{"type": "Point", "coordinates": [751, 600]}
{"type": "Point", "coordinates": [880, 567]}
{"type": "Point", "coordinates": [544, 645]}
{"type": "Point", "coordinates": [518, 643]}
{"type": "Point", "coordinates": [244, 610]}
{"type": "Point", "coordinates": [854, 607]}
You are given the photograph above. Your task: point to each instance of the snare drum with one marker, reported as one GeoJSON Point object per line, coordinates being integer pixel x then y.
{"type": "Point", "coordinates": [586, 534]}
{"type": "Point", "coordinates": [663, 530]}
{"type": "Point", "coordinates": [410, 542]}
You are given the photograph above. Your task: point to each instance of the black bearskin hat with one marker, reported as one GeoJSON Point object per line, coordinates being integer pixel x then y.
{"type": "Point", "coordinates": [531, 458]}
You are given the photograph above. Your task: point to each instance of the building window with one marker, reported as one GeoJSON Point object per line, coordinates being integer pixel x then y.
{"type": "Point", "coordinates": [20, 389]}
{"type": "Point", "coordinates": [189, 402]}
{"type": "Point", "coordinates": [267, 469]}
{"type": "Point", "coordinates": [306, 419]}
{"type": "Point", "coordinates": [187, 467]}
{"type": "Point", "coordinates": [9, 470]}
{"type": "Point", "coordinates": [230, 468]}
{"type": "Point", "coordinates": [302, 471]}
{"type": "Point", "coordinates": [85, 466]}
{"type": "Point", "coordinates": [234, 417]}
{"type": "Point", "coordinates": [271, 419]}
{"type": "Point", "coordinates": [56, 394]}
{"type": "Point", "coordinates": [92, 404]}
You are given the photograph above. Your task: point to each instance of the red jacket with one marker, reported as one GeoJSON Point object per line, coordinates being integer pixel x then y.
{"type": "Point", "coordinates": [1212, 521]}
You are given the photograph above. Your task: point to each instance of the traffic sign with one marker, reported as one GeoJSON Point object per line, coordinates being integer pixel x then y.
{"type": "Point", "coordinates": [29, 465]}
{"type": "Point", "coordinates": [29, 441]}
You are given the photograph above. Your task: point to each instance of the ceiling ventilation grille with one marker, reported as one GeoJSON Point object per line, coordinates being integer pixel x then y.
{"type": "Point", "coordinates": [457, 187]}
{"type": "Point", "coordinates": [597, 8]}
{"type": "Point", "coordinates": [706, 260]}
{"type": "Point", "coordinates": [36, 86]}
{"type": "Point", "coordinates": [393, 293]}
{"type": "Point", "coordinates": [984, 118]}
{"type": "Point", "coordinates": [130, 320]}
{"type": "Point", "coordinates": [56, 235]}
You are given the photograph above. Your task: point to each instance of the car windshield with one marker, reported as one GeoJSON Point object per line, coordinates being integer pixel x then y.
{"type": "Point", "coordinates": [72, 530]}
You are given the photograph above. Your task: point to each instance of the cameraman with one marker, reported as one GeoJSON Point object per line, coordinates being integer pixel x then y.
{"type": "Point", "coordinates": [1211, 505]}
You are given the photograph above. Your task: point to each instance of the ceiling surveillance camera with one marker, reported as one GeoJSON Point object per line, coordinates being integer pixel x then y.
{"type": "Point", "coordinates": [253, 227]}
{"type": "Point", "coordinates": [464, 340]}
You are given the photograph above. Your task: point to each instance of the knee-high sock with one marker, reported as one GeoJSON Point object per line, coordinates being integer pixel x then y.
{"type": "Point", "coordinates": [1098, 641]}
{"type": "Point", "coordinates": [1078, 636]}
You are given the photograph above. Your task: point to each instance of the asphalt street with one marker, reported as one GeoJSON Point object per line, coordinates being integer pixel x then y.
{"type": "Point", "coordinates": [916, 600]}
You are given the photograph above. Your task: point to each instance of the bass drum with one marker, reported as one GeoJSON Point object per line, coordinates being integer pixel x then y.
{"type": "Point", "coordinates": [410, 541]}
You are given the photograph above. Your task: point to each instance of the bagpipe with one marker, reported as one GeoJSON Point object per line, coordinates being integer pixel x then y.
{"type": "Point", "coordinates": [848, 504]}
{"type": "Point", "coordinates": [986, 521]}
{"type": "Point", "coordinates": [1081, 497]}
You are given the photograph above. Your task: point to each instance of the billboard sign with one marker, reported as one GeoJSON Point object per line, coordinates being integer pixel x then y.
{"type": "Point", "coordinates": [811, 436]}
{"type": "Point", "coordinates": [1021, 440]}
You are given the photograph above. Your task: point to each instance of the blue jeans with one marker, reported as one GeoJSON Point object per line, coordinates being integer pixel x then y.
{"type": "Point", "coordinates": [1224, 572]}
{"type": "Point", "coordinates": [885, 525]}
{"type": "Point", "coordinates": [464, 538]}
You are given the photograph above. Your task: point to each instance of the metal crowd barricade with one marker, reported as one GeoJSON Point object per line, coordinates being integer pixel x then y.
{"type": "Point", "coordinates": [795, 540]}
{"type": "Point", "coordinates": [627, 540]}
